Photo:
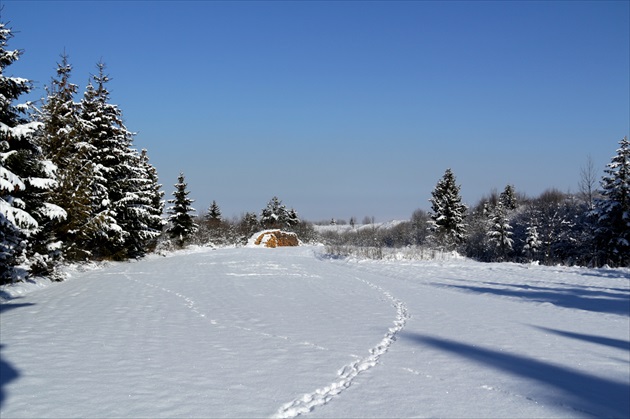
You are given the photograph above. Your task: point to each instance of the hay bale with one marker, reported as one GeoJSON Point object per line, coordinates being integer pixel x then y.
{"type": "Point", "coordinates": [277, 238]}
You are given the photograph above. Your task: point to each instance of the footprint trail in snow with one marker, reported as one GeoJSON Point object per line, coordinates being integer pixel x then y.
{"type": "Point", "coordinates": [347, 374]}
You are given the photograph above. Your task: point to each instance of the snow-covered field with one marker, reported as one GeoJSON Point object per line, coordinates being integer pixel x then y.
{"type": "Point", "coordinates": [252, 332]}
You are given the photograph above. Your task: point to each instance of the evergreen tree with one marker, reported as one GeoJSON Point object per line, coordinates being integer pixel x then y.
{"type": "Point", "coordinates": [500, 233]}
{"type": "Point", "coordinates": [213, 216]}
{"type": "Point", "coordinates": [153, 195]}
{"type": "Point", "coordinates": [61, 143]}
{"type": "Point", "coordinates": [292, 219]}
{"type": "Point", "coordinates": [274, 215]}
{"type": "Point", "coordinates": [104, 236]}
{"type": "Point", "coordinates": [532, 243]}
{"type": "Point", "coordinates": [448, 212]}
{"type": "Point", "coordinates": [43, 250]}
{"type": "Point", "coordinates": [141, 218]}
{"type": "Point", "coordinates": [25, 179]}
{"type": "Point", "coordinates": [612, 211]}
{"type": "Point", "coordinates": [181, 225]}
{"type": "Point", "coordinates": [508, 198]}
{"type": "Point", "coordinates": [15, 222]}
{"type": "Point", "coordinates": [125, 215]}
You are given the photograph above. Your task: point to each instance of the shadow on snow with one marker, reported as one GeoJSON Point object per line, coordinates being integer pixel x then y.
{"type": "Point", "coordinates": [579, 390]}
{"type": "Point", "coordinates": [6, 306]}
{"type": "Point", "coordinates": [578, 298]}
{"type": "Point", "coordinates": [7, 374]}
{"type": "Point", "coordinates": [600, 340]}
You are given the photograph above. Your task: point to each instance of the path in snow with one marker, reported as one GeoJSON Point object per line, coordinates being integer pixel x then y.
{"type": "Point", "coordinates": [349, 372]}
{"type": "Point", "coordinates": [279, 332]}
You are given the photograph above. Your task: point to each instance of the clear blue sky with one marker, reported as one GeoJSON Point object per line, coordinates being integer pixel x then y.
{"type": "Point", "coordinates": [348, 108]}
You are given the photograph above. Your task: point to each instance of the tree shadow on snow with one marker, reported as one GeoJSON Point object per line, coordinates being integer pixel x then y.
{"type": "Point", "coordinates": [7, 374]}
{"type": "Point", "coordinates": [6, 306]}
{"type": "Point", "coordinates": [607, 273]}
{"type": "Point", "coordinates": [579, 298]}
{"type": "Point", "coordinates": [600, 340]}
{"type": "Point", "coordinates": [579, 391]}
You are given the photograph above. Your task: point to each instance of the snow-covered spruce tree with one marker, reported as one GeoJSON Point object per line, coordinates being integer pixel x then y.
{"type": "Point", "coordinates": [140, 217]}
{"type": "Point", "coordinates": [213, 216]}
{"type": "Point", "coordinates": [500, 233]}
{"type": "Point", "coordinates": [612, 210]}
{"type": "Point", "coordinates": [448, 213]}
{"type": "Point", "coordinates": [274, 215]}
{"type": "Point", "coordinates": [15, 222]}
{"type": "Point", "coordinates": [532, 243]}
{"type": "Point", "coordinates": [61, 143]}
{"type": "Point", "coordinates": [43, 250]}
{"type": "Point", "coordinates": [105, 237]}
{"type": "Point", "coordinates": [25, 179]}
{"type": "Point", "coordinates": [153, 195]}
{"type": "Point", "coordinates": [507, 198]}
{"type": "Point", "coordinates": [292, 218]}
{"type": "Point", "coordinates": [125, 216]}
{"type": "Point", "coordinates": [213, 230]}
{"type": "Point", "coordinates": [181, 225]}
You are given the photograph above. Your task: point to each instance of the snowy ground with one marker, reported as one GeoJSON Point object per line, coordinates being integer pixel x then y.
{"type": "Point", "coordinates": [280, 332]}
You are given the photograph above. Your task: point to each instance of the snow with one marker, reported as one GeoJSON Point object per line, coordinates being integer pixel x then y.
{"type": "Point", "coordinates": [343, 228]}
{"type": "Point", "coordinates": [42, 183]}
{"type": "Point", "coordinates": [8, 180]}
{"type": "Point", "coordinates": [17, 216]}
{"type": "Point", "coordinates": [247, 332]}
{"type": "Point", "coordinates": [21, 130]}
{"type": "Point", "coordinates": [53, 212]}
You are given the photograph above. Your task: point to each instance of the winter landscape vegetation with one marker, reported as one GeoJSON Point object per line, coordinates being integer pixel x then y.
{"type": "Point", "coordinates": [119, 299]}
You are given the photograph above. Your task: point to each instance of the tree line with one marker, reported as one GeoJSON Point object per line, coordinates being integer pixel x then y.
{"type": "Point", "coordinates": [589, 228]}
{"type": "Point", "coordinates": [210, 228]}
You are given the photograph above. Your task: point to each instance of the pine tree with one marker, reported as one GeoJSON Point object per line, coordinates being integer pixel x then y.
{"type": "Point", "coordinates": [213, 216]}
{"type": "Point", "coordinates": [181, 225]}
{"type": "Point", "coordinates": [274, 215]}
{"type": "Point", "coordinates": [105, 237]}
{"type": "Point", "coordinates": [508, 198]}
{"type": "Point", "coordinates": [141, 219]}
{"type": "Point", "coordinates": [25, 179]}
{"type": "Point", "coordinates": [125, 209]}
{"type": "Point", "coordinates": [61, 143]}
{"type": "Point", "coordinates": [152, 195]}
{"type": "Point", "coordinates": [612, 211]}
{"type": "Point", "coordinates": [532, 243]}
{"type": "Point", "coordinates": [500, 233]}
{"type": "Point", "coordinates": [292, 219]}
{"type": "Point", "coordinates": [448, 212]}
{"type": "Point", "coordinates": [15, 222]}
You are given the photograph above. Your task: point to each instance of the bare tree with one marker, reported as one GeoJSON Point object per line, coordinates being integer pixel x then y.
{"type": "Point", "coordinates": [588, 183]}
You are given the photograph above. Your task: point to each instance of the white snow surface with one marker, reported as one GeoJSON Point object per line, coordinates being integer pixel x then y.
{"type": "Point", "coordinates": [257, 332]}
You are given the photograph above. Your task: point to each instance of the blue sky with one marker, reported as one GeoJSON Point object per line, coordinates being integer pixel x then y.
{"type": "Point", "coordinates": [348, 108]}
